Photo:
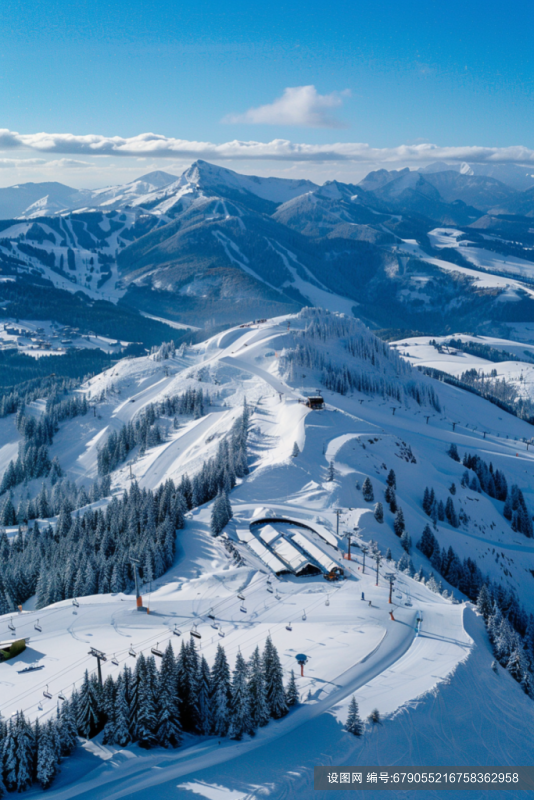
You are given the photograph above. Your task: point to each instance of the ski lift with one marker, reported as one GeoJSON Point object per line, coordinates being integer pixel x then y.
{"type": "Point", "coordinates": [61, 696]}
{"type": "Point", "coordinates": [40, 706]}
{"type": "Point", "coordinates": [177, 631]}
{"type": "Point", "coordinates": [47, 694]}
{"type": "Point", "coordinates": [214, 625]}
{"type": "Point", "coordinates": [289, 627]}
{"type": "Point", "coordinates": [156, 651]}
{"type": "Point", "coordinates": [304, 617]}
{"type": "Point", "coordinates": [240, 596]}
{"type": "Point", "coordinates": [75, 603]}
{"type": "Point", "coordinates": [327, 601]}
{"type": "Point", "coordinates": [211, 615]}
{"type": "Point", "coordinates": [269, 581]}
{"type": "Point", "coordinates": [115, 660]}
{"type": "Point", "coordinates": [131, 652]}
{"type": "Point", "coordinates": [242, 608]}
{"type": "Point", "coordinates": [38, 627]}
{"type": "Point", "coordinates": [11, 626]}
{"type": "Point", "coordinates": [269, 589]}
{"type": "Point", "coordinates": [277, 596]}
{"type": "Point", "coordinates": [221, 632]}
{"type": "Point", "coordinates": [194, 632]}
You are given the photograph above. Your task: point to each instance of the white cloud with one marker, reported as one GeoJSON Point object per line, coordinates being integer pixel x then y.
{"type": "Point", "coordinates": [156, 146]}
{"type": "Point", "coordinates": [42, 163]}
{"type": "Point", "coordinates": [299, 105]}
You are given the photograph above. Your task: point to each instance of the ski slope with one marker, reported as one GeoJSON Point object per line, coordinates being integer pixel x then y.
{"type": "Point", "coordinates": [431, 679]}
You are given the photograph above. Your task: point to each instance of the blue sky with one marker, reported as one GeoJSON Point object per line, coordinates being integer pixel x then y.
{"type": "Point", "coordinates": [385, 73]}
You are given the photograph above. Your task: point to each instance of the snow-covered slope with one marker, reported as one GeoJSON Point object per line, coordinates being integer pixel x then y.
{"type": "Point", "coordinates": [430, 680]}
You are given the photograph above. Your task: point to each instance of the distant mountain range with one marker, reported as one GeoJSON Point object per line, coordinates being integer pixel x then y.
{"type": "Point", "coordinates": [216, 247]}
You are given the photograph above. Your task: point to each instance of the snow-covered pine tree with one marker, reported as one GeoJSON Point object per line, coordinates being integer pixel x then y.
{"type": "Point", "coordinates": [367, 491]}
{"type": "Point", "coordinates": [46, 762]}
{"type": "Point", "coordinates": [220, 683]}
{"type": "Point", "coordinates": [379, 512]}
{"type": "Point", "coordinates": [121, 733]}
{"type": "Point", "coordinates": [204, 697]}
{"type": "Point", "coordinates": [398, 523]}
{"type": "Point", "coordinates": [354, 724]}
{"type": "Point", "coordinates": [88, 717]}
{"type": "Point", "coordinates": [296, 451]}
{"type": "Point", "coordinates": [292, 692]}
{"type": "Point", "coordinates": [391, 479]}
{"type": "Point", "coordinates": [169, 729]}
{"type": "Point", "coordinates": [240, 717]}
{"type": "Point", "coordinates": [67, 728]}
{"type": "Point", "coordinates": [274, 684]}
{"type": "Point", "coordinates": [147, 711]}
{"type": "Point", "coordinates": [259, 709]}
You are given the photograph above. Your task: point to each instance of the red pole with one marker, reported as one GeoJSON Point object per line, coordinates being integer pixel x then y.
{"type": "Point", "coordinates": [302, 670]}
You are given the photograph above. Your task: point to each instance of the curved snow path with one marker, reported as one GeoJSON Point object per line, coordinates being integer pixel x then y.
{"type": "Point", "coordinates": [276, 384]}
{"type": "Point", "coordinates": [177, 450]}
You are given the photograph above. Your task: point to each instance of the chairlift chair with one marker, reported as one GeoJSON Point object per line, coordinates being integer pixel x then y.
{"type": "Point", "coordinates": [327, 601]}
{"type": "Point", "coordinates": [61, 696]}
{"type": "Point", "coordinates": [156, 651]}
{"type": "Point", "coordinates": [214, 625]}
{"type": "Point", "coordinates": [289, 627]}
{"type": "Point", "coordinates": [210, 614]}
{"type": "Point", "coordinates": [38, 627]}
{"type": "Point", "coordinates": [304, 617]}
{"type": "Point", "coordinates": [194, 632]}
{"type": "Point", "coordinates": [240, 596]}
{"type": "Point", "coordinates": [270, 590]}
{"type": "Point", "coordinates": [47, 694]}
{"type": "Point", "coordinates": [115, 660]}
{"type": "Point", "coordinates": [221, 632]}
{"type": "Point", "coordinates": [243, 608]}
{"type": "Point", "coordinates": [269, 581]}
{"type": "Point", "coordinates": [11, 626]}
{"type": "Point", "coordinates": [131, 652]}
{"type": "Point", "coordinates": [177, 631]}
{"type": "Point", "coordinates": [40, 706]}
{"type": "Point", "coordinates": [75, 603]}
{"type": "Point", "coordinates": [277, 596]}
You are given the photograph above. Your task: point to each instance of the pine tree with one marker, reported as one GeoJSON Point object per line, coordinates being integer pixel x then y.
{"type": "Point", "coordinates": [354, 723]}
{"type": "Point", "coordinates": [46, 763]}
{"type": "Point", "coordinates": [121, 733]}
{"type": "Point", "coordinates": [240, 719]}
{"type": "Point", "coordinates": [147, 714]}
{"type": "Point", "coordinates": [259, 709]}
{"type": "Point", "coordinates": [367, 491]}
{"type": "Point", "coordinates": [88, 719]}
{"type": "Point", "coordinates": [292, 692]}
{"type": "Point", "coordinates": [398, 522]}
{"type": "Point", "coordinates": [204, 694]}
{"type": "Point", "coordinates": [406, 541]}
{"type": "Point", "coordinates": [331, 472]}
{"type": "Point", "coordinates": [67, 729]}
{"type": "Point", "coordinates": [484, 602]}
{"type": "Point", "coordinates": [220, 682]}
{"type": "Point", "coordinates": [169, 730]}
{"type": "Point", "coordinates": [274, 685]}
{"type": "Point", "coordinates": [379, 512]}
{"type": "Point", "coordinates": [296, 451]}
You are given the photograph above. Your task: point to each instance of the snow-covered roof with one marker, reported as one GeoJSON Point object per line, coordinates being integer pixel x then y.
{"type": "Point", "coordinates": [315, 552]}
{"type": "Point", "coordinates": [289, 554]}
{"type": "Point", "coordinates": [268, 534]}
{"type": "Point", "coordinates": [267, 556]}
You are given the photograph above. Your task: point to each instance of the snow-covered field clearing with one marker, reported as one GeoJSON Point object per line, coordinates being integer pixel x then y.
{"type": "Point", "coordinates": [420, 352]}
{"type": "Point", "coordinates": [431, 681]}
